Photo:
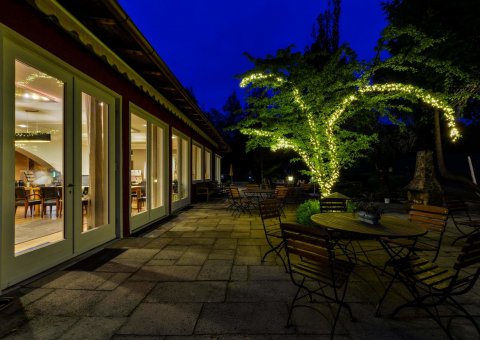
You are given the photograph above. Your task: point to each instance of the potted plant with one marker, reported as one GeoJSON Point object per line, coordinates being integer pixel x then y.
{"type": "Point", "coordinates": [369, 212]}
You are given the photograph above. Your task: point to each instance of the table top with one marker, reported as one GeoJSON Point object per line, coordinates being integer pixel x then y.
{"type": "Point", "coordinates": [389, 226]}
{"type": "Point", "coordinates": [260, 191]}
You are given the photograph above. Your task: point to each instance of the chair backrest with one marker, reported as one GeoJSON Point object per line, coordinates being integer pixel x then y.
{"type": "Point", "coordinates": [458, 209]}
{"type": "Point", "coordinates": [281, 193]}
{"type": "Point", "coordinates": [270, 208]}
{"type": "Point", "coordinates": [306, 243]}
{"type": "Point", "coordinates": [328, 204]}
{"type": "Point", "coordinates": [431, 217]}
{"type": "Point", "coordinates": [470, 254]}
{"type": "Point", "coordinates": [20, 193]}
{"type": "Point", "coordinates": [235, 193]}
{"type": "Point", "coordinates": [49, 193]}
{"type": "Point", "coordinates": [252, 186]}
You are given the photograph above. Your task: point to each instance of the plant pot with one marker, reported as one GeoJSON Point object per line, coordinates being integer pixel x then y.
{"type": "Point", "coordinates": [367, 217]}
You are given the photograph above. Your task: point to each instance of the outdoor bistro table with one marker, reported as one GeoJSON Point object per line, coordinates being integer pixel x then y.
{"type": "Point", "coordinates": [389, 226]}
{"type": "Point", "coordinates": [259, 193]}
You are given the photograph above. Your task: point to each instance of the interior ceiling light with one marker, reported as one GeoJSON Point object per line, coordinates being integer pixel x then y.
{"type": "Point", "coordinates": [33, 137]}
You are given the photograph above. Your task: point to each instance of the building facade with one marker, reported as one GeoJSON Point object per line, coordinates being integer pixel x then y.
{"type": "Point", "coordinates": [98, 137]}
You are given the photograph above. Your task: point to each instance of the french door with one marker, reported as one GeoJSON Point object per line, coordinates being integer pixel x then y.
{"type": "Point", "coordinates": [57, 134]}
{"type": "Point", "coordinates": [148, 170]}
{"type": "Point", "coordinates": [181, 173]}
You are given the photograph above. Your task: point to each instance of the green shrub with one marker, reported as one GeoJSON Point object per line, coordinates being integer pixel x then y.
{"type": "Point", "coordinates": [307, 209]}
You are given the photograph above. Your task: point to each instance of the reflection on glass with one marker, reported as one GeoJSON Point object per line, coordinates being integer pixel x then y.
{"type": "Point", "coordinates": [156, 166]}
{"type": "Point", "coordinates": [196, 163]}
{"type": "Point", "coordinates": [95, 200]}
{"type": "Point", "coordinates": [208, 165]}
{"type": "Point", "coordinates": [175, 172]}
{"type": "Point", "coordinates": [138, 163]}
{"type": "Point", "coordinates": [184, 178]}
{"type": "Point", "coordinates": [39, 126]}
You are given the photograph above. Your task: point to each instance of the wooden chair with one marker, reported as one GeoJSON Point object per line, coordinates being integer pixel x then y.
{"type": "Point", "coordinates": [328, 204]}
{"type": "Point", "coordinates": [239, 203]}
{"type": "Point", "coordinates": [271, 220]}
{"type": "Point", "coordinates": [202, 190]}
{"type": "Point", "coordinates": [26, 200]}
{"type": "Point", "coordinates": [462, 219]}
{"type": "Point", "coordinates": [314, 269]}
{"type": "Point", "coordinates": [281, 194]}
{"type": "Point", "coordinates": [49, 198]}
{"type": "Point", "coordinates": [434, 219]}
{"type": "Point", "coordinates": [431, 286]}
{"type": "Point", "coordinates": [141, 199]}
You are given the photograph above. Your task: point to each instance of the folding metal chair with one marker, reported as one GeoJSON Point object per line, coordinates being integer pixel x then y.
{"type": "Point", "coordinates": [333, 205]}
{"type": "Point", "coordinates": [462, 219]}
{"type": "Point", "coordinates": [431, 286]}
{"type": "Point", "coordinates": [270, 212]}
{"type": "Point", "coordinates": [434, 219]}
{"type": "Point", "coordinates": [239, 203]}
{"type": "Point", "coordinates": [314, 269]}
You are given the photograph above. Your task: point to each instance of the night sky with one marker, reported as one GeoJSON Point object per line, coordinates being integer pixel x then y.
{"type": "Point", "coordinates": [203, 41]}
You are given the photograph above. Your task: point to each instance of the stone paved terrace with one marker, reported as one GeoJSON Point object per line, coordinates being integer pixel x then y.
{"type": "Point", "coordinates": [199, 275]}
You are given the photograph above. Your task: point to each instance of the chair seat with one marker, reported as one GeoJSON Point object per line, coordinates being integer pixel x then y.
{"type": "Point", "coordinates": [323, 273]}
{"type": "Point", "coordinates": [410, 244]}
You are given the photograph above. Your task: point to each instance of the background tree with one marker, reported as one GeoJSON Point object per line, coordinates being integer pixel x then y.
{"type": "Point", "coordinates": [434, 45]}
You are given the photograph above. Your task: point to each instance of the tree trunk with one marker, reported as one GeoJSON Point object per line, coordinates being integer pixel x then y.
{"type": "Point", "coordinates": [442, 169]}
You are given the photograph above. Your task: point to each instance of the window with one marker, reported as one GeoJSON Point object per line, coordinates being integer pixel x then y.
{"type": "Point", "coordinates": [208, 165]}
{"type": "Point", "coordinates": [196, 162]}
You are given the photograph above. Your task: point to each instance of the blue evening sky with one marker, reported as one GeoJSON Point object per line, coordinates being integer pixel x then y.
{"type": "Point", "coordinates": [203, 41]}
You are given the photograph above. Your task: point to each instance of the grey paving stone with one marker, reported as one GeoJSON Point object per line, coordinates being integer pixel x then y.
{"type": "Point", "coordinates": [130, 242]}
{"type": "Point", "coordinates": [162, 319]}
{"type": "Point", "coordinates": [242, 318]}
{"type": "Point", "coordinates": [215, 270]}
{"type": "Point", "coordinates": [194, 256]}
{"type": "Point", "coordinates": [251, 291]}
{"type": "Point", "coordinates": [267, 273]}
{"type": "Point", "coordinates": [239, 273]}
{"type": "Point", "coordinates": [171, 252]}
{"type": "Point", "coordinates": [221, 254]}
{"type": "Point", "coordinates": [114, 281]}
{"type": "Point", "coordinates": [123, 300]}
{"type": "Point", "coordinates": [121, 265]}
{"type": "Point", "coordinates": [67, 303]}
{"type": "Point", "coordinates": [138, 254]}
{"type": "Point", "coordinates": [226, 243]}
{"type": "Point", "coordinates": [76, 280]}
{"type": "Point", "coordinates": [192, 241]}
{"type": "Point", "coordinates": [93, 328]}
{"type": "Point", "coordinates": [43, 327]}
{"type": "Point", "coordinates": [197, 291]}
{"type": "Point", "coordinates": [167, 273]}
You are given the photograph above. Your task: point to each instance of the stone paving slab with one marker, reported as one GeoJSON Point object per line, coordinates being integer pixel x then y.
{"type": "Point", "coordinates": [199, 275]}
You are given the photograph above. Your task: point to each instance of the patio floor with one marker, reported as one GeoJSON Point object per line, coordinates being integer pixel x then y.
{"type": "Point", "coordinates": [199, 275]}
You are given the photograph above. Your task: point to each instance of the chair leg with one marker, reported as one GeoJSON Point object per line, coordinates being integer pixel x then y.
{"type": "Point", "coordinates": [292, 305]}
{"type": "Point", "coordinates": [379, 305]}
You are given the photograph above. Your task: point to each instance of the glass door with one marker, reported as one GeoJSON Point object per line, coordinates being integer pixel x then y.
{"type": "Point", "coordinates": [147, 168]}
{"type": "Point", "coordinates": [94, 200]}
{"type": "Point", "coordinates": [36, 231]}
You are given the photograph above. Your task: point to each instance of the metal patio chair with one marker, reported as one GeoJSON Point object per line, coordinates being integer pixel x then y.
{"type": "Point", "coordinates": [333, 205]}
{"type": "Point", "coordinates": [463, 220]}
{"type": "Point", "coordinates": [238, 203]}
{"type": "Point", "coordinates": [270, 212]}
{"type": "Point", "coordinates": [431, 286]}
{"type": "Point", "coordinates": [434, 219]}
{"type": "Point", "coordinates": [315, 270]}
